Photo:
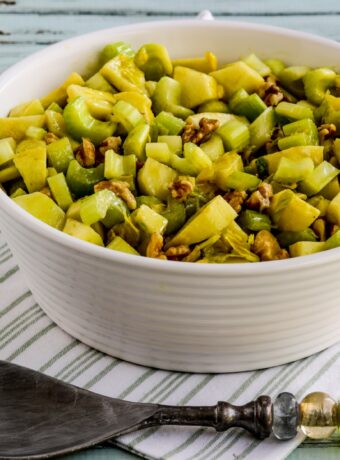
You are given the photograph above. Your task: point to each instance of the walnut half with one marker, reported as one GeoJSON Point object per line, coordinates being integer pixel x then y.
{"type": "Point", "coordinates": [236, 199]}
{"type": "Point", "coordinates": [155, 247]}
{"type": "Point", "coordinates": [181, 189]}
{"type": "Point", "coordinates": [201, 134]}
{"type": "Point", "coordinates": [260, 199]}
{"type": "Point", "coordinates": [267, 247]}
{"type": "Point", "coordinates": [85, 153]}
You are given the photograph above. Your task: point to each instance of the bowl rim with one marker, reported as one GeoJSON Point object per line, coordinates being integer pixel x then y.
{"type": "Point", "coordinates": [146, 263]}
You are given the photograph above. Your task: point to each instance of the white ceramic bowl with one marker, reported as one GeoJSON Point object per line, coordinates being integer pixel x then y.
{"type": "Point", "coordinates": [202, 318]}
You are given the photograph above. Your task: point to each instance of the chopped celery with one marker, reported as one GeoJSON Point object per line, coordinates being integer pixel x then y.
{"type": "Point", "coordinates": [286, 239]}
{"type": "Point", "coordinates": [291, 213]}
{"type": "Point", "coordinates": [168, 124]}
{"type": "Point", "coordinates": [318, 178]}
{"type": "Point", "coordinates": [183, 165]}
{"type": "Point", "coordinates": [214, 147]}
{"type": "Point", "coordinates": [7, 150]}
{"type": "Point", "coordinates": [16, 127]}
{"type": "Point", "coordinates": [236, 76]}
{"type": "Point", "coordinates": [293, 140]}
{"type": "Point", "coordinates": [291, 171]}
{"type": "Point", "coordinates": [305, 248]}
{"type": "Point", "coordinates": [59, 154]}
{"type": "Point", "coordinates": [117, 165]}
{"type": "Point", "coordinates": [97, 81]}
{"type": "Point", "coordinates": [31, 162]}
{"type": "Point", "coordinates": [95, 207]}
{"type": "Point", "coordinates": [196, 156]}
{"type": "Point", "coordinates": [206, 64]}
{"type": "Point", "coordinates": [293, 111]}
{"type": "Point", "coordinates": [60, 191]}
{"type": "Point", "coordinates": [148, 220]}
{"type": "Point", "coordinates": [306, 126]}
{"type": "Point", "coordinates": [82, 180]}
{"type": "Point", "coordinates": [175, 215]}
{"type": "Point", "coordinates": [208, 221]}
{"type": "Point", "coordinates": [234, 134]}
{"type": "Point", "coordinates": [197, 87]}
{"type": "Point", "coordinates": [136, 140]}
{"type": "Point", "coordinates": [317, 82]}
{"type": "Point", "coordinates": [255, 63]}
{"type": "Point", "coordinates": [113, 49]}
{"type": "Point", "coordinates": [292, 79]}
{"type": "Point", "coordinates": [333, 241]}
{"type": "Point", "coordinates": [151, 201]}
{"type": "Point", "coordinates": [80, 123]}
{"type": "Point", "coordinates": [36, 133]}
{"type": "Point", "coordinates": [158, 151]}
{"type": "Point", "coordinates": [224, 167]}
{"type": "Point", "coordinates": [154, 60]}
{"type": "Point", "coordinates": [167, 97]}
{"type": "Point", "coordinates": [239, 180]}
{"type": "Point", "coordinates": [127, 115]}
{"type": "Point", "coordinates": [33, 107]}
{"type": "Point", "coordinates": [254, 221]}
{"type": "Point", "coordinates": [275, 65]}
{"type": "Point", "coordinates": [55, 123]}
{"type": "Point", "coordinates": [55, 107]}
{"type": "Point", "coordinates": [155, 178]}
{"type": "Point", "coordinates": [174, 143]}
{"type": "Point", "coordinates": [294, 153]}
{"type": "Point", "coordinates": [233, 235]}
{"type": "Point", "coordinates": [59, 95]}
{"type": "Point", "coordinates": [333, 210]}
{"type": "Point", "coordinates": [251, 106]}
{"type": "Point", "coordinates": [83, 232]}
{"type": "Point", "coordinates": [99, 103]}
{"type": "Point", "coordinates": [261, 129]}
{"type": "Point", "coordinates": [123, 74]}
{"type": "Point", "coordinates": [214, 106]}
{"type": "Point", "coordinates": [43, 208]}
{"type": "Point", "coordinates": [140, 101]}
{"type": "Point", "coordinates": [9, 173]}
{"type": "Point", "coordinates": [118, 244]}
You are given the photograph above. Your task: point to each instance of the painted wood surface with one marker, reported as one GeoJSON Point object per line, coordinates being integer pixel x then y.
{"type": "Point", "coordinates": [29, 25]}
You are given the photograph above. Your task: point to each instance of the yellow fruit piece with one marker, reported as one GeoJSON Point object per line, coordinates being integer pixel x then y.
{"type": "Point", "coordinates": [295, 154]}
{"type": "Point", "coordinates": [30, 160]}
{"type": "Point", "coordinates": [304, 248]}
{"type": "Point", "coordinates": [43, 208]}
{"type": "Point", "coordinates": [123, 74]}
{"type": "Point", "coordinates": [210, 220]}
{"type": "Point", "coordinates": [197, 87]}
{"type": "Point", "coordinates": [236, 76]}
{"type": "Point", "coordinates": [154, 179]}
{"type": "Point", "coordinates": [33, 107]}
{"type": "Point", "coordinates": [59, 95]}
{"type": "Point", "coordinates": [333, 210]}
{"type": "Point", "coordinates": [83, 232]}
{"type": "Point", "coordinates": [205, 64]}
{"type": "Point", "coordinates": [140, 101]}
{"type": "Point", "coordinates": [16, 126]}
{"type": "Point", "coordinates": [291, 213]}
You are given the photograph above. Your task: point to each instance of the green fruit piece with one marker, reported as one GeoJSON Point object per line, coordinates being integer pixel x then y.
{"type": "Point", "coordinates": [118, 244]}
{"type": "Point", "coordinates": [33, 107]}
{"type": "Point", "coordinates": [60, 154]}
{"type": "Point", "coordinates": [16, 127]}
{"type": "Point", "coordinates": [123, 74]}
{"type": "Point", "coordinates": [83, 232]}
{"type": "Point", "coordinates": [210, 220]}
{"type": "Point", "coordinates": [60, 190]}
{"type": "Point", "coordinates": [43, 208]}
{"type": "Point", "coordinates": [30, 160]}
{"type": "Point", "coordinates": [305, 248]}
{"type": "Point", "coordinates": [154, 179]}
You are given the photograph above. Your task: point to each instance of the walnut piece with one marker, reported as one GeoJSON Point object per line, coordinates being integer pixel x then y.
{"type": "Point", "coordinates": [177, 252]}
{"type": "Point", "coordinates": [50, 137]}
{"type": "Point", "coordinates": [270, 92]}
{"type": "Point", "coordinates": [85, 153]}
{"type": "Point", "coordinates": [121, 189]}
{"type": "Point", "coordinates": [326, 131]}
{"type": "Point", "coordinates": [201, 134]}
{"type": "Point", "coordinates": [181, 189]}
{"type": "Point", "coordinates": [267, 247]}
{"type": "Point", "coordinates": [260, 199]}
{"type": "Point", "coordinates": [110, 143]}
{"type": "Point", "coordinates": [319, 227]}
{"type": "Point", "coordinates": [155, 246]}
{"type": "Point", "coordinates": [236, 199]}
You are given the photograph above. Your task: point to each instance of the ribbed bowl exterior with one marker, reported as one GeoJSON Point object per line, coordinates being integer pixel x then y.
{"type": "Point", "coordinates": [185, 317]}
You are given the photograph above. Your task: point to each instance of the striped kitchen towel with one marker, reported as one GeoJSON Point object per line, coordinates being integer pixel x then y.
{"type": "Point", "coordinates": [28, 337]}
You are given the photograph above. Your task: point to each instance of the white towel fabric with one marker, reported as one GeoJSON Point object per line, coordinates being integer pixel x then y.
{"type": "Point", "coordinates": [28, 337]}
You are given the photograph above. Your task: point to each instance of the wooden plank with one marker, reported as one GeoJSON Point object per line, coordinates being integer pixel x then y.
{"type": "Point", "coordinates": [154, 7]}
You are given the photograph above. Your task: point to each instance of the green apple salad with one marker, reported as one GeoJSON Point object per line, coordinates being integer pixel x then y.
{"type": "Point", "coordinates": [182, 159]}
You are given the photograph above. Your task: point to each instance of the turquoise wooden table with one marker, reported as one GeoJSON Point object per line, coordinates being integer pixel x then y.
{"type": "Point", "coordinates": [29, 25]}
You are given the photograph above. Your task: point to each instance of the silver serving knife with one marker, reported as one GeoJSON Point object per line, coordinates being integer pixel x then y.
{"type": "Point", "coordinates": [41, 417]}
